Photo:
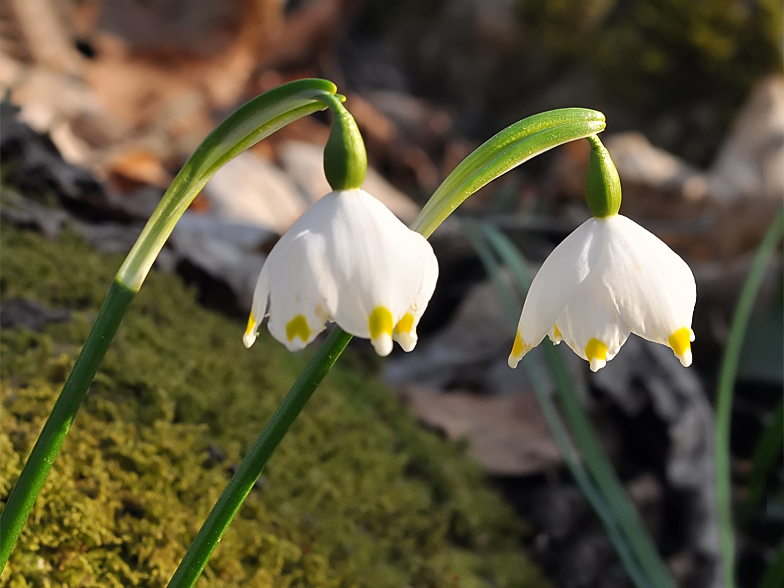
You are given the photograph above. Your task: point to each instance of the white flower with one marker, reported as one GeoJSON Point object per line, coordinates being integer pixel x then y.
{"type": "Point", "coordinates": [607, 279]}
{"type": "Point", "coordinates": [347, 259]}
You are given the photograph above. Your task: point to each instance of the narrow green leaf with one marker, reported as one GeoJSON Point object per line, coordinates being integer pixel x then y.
{"type": "Point", "coordinates": [514, 145]}
{"type": "Point", "coordinates": [726, 385]}
{"type": "Point", "coordinates": [248, 125]}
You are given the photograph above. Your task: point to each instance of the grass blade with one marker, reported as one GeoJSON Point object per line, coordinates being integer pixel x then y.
{"type": "Point", "coordinates": [725, 389]}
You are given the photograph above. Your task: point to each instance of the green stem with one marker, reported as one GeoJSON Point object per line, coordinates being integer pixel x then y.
{"type": "Point", "coordinates": [504, 151]}
{"type": "Point", "coordinates": [248, 125]}
{"type": "Point", "coordinates": [234, 494]}
{"type": "Point", "coordinates": [724, 392]}
{"type": "Point", "coordinates": [46, 448]}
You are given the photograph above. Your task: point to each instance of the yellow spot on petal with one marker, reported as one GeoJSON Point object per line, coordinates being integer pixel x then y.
{"type": "Point", "coordinates": [380, 322]}
{"type": "Point", "coordinates": [405, 324]}
{"type": "Point", "coordinates": [298, 327]}
{"type": "Point", "coordinates": [518, 347]}
{"type": "Point", "coordinates": [680, 340]}
{"type": "Point", "coordinates": [251, 325]}
{"type": "Point", "coordinates": [556, 332]}
{"type": "Point", "coordinates": [250, 332]}
{"type": "Point", "coordinates": [596, 350]}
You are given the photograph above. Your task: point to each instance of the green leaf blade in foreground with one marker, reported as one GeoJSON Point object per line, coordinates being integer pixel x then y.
{"type": "Point", "coordinates": [248, 125]}
{"type": "Point", "coordinates": [252, 122]}
{"type": "Point", "coordinates": [506, 150]}
{"type": "Point", "coordinates": [726, 389]}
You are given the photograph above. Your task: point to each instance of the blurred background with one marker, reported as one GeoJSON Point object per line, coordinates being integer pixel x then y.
{"type": "Point", "coordinates": [103, 101]}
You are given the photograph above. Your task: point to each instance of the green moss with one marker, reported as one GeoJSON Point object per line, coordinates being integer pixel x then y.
{"type": "Point", "coordinates": [357, 494]}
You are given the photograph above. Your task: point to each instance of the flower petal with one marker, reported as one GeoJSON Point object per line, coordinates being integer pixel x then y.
{"type": "Point", "coordinates": [653, 288]}
{"type": "Point", "coordinates": [294, 283]}
{"type": "Point", "coordinates": [405, 329]}
{"type": "Point", "coordinates": [298, 298]}
{"type": "Point", "coordinates": [258, 308]}
{"type": "Point", "coordinates": [552, 288]}
{"type": "Point", "coordinates": [377, 263]}
{"type": "Point", "coordinates": [590, 323]}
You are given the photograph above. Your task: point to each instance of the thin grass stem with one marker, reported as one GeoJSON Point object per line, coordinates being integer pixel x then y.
{"type": "Point", "coordinates": [725, 389]}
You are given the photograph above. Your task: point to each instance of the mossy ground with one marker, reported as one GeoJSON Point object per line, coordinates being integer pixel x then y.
{"type": "Point", "coordinates": [356, 495]}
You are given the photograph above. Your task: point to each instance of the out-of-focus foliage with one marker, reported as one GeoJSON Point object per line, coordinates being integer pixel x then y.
{"type": "Point", "coordinates": [357, 494]}
{"type": "Point", "coordinates": [662, 55]}
{"type": "Point", "coordinates": [677, 70]}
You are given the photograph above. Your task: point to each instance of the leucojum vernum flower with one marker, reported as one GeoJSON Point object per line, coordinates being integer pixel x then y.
{"type": "Point", "coordinates": [347, 259]}
{"type": "Point", "coordinates": [607, 279]}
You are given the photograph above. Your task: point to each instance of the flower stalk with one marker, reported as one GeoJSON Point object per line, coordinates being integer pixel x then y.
{"type": "Point", "coordinates": [31, 480]}
{"type": "Point", "coordinates": [251, 123]}
{"type": "Point", "coordinates": [503, 152]}
{"type": "Point", "coordinates": [250, 469]}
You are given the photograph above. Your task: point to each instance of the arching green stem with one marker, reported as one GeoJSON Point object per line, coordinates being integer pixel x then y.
{"type": "Point", "coordinates": [257, 119]}
{"type": "Point", "coordinates": [503, 152]}
{"type": "Point", "coordinates": [517, 143]}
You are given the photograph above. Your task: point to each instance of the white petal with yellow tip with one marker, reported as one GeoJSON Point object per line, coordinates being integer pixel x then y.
{"type": "Point", "coordinates": [350, 260]}
{"type": "Point", "coordinates": [608, 279]}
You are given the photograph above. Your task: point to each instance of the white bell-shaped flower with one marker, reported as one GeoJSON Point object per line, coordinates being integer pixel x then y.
{"type": "Point", "coordinates": [607, 279]}
{"type": "Point", "coordinates": [347, 259]}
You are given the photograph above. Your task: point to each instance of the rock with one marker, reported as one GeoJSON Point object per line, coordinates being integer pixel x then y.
{"type": "Point", "coordinates": [508, 434]}
{"type": "Point", "coordinates": [479, 335]}
{"type": "Point", "coordinates": [304, 163]}
{"type": "Point", "coordinates": [252, 191]}
{"type": "Point", "coordinates": [27, 213]}
{"type": "Point", "coordinates": [226, 251]}
{"type": "Point", "coordinates": [750, 163]}
{"type": "Point", "coordinates": [643, 164]}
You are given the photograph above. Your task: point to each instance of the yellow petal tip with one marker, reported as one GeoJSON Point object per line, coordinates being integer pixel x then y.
{"type": "Point", "coordinates": [596, 353]}
{"type": "Point", "coordinates": [680, 342]}
{"type": "Point", "coordinates": [519, 349]}
{"type": "Point", "coordinates": [557, 336]}
{"type": "Point", "coordinates": [250, 332]}
{"type": "Point", "coordinates": [381, 325]}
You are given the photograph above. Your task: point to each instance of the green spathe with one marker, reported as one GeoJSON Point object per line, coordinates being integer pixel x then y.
{"type": "Point", "coordinates": [356, 495]}
{"type": "Point", "coordinates": [602, 183]}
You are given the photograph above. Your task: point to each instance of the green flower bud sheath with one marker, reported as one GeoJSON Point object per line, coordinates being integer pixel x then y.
{"type": "Point", "coordinates": [602, 183]}
{"type": "Point", "coordinates": [345, 158]}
